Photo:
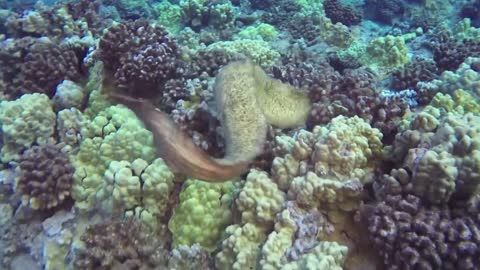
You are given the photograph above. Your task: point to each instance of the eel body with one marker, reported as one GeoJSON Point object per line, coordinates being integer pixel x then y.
{"type": "Point", "coordinates": [177, 148]}
{"type": "Point", "coordinates": [247, 102]}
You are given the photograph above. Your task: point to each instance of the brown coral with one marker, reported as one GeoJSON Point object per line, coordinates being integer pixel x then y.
{"type": "Point", "coordinates": [45, 178]}
{"type": "Point", "coordinates": [343, 14]}
{"type": "Point", "coordinates": [46, 66]}
{"type": "Point", "coordinates": [36, 66]}
{"type": "Point", "coordinates": [352, 94]}
{"type": "Point", "coordinates": [120, 245]}
{"type": "Point", "coordinates": [419, 70]}
{"type": "Point", "coordinates": [140, 56]}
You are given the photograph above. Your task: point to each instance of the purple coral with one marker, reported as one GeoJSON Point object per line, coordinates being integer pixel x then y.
{"type": "Point", "coordinates": [449, 53]}
{"type": "Point", "coordinates": [410, 234]}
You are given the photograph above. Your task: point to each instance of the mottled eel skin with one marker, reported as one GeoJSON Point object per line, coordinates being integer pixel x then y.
{"type": "Point", "coordinates": [176, 147]}
{"type": "Point", "coordinates": [247, 101]}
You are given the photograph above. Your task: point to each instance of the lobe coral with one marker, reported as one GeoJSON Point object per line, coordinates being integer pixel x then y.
{"type": "Point", "coordinates": [247, 101]}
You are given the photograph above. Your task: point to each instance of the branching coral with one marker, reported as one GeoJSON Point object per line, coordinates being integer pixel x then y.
{"type": "Point", "coordinates": [39, 66]}
{"type": "Point", "coordinates": [260, 199]}
{"type": "Point", "coordinates": [450, 53]}
{"type": "Point", "coordinates": [419, 70]}
{"type": "Point", "coordinates": [198, 13]}
{"type": "Point", "coordinates": [409, 233]}
{"type": "Point", "coordinates": [354, 94]}
{"type": "Point", "coordinates": [466, 77]}
{"type": "Point", "coordinates": [441, 153]}
{"type": "Point", "coordinates": [427, 210]}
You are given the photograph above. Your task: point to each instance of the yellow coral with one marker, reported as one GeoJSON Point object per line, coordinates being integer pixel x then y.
{"type": "Point", "coordinates": [461, 102]}
{"type": "Point", "coordinates": [258, 51]}
{"type": "Point", "coordinates": [240, 249]}
{"type": "Point", "coordinates": [346, 148]}
{"type": "Point", "coordinates": [262, 31]}
{"type": "Point", "coordinates": [202, 214]}
{"type": "Point", "coordinates": [389, 51]}
{"type": "Point", "coordinates": [260, 199]}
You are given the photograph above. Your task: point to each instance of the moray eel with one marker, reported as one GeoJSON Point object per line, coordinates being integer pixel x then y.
{"type": "Point", "coordinates": [247, 102]}
{"type": "Point", "coordinates": [176, 147]}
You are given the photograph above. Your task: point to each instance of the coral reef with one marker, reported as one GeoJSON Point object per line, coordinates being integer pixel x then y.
{"type": "Point", "coordinates": [419, 70]}
{"type": "Point", "coordinates": [340, 134]}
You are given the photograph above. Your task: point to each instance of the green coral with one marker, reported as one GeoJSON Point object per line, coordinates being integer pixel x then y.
{"type": "Point", "coordinates": [382, 54]}
{"type": "Point", "coordinates": [202, 214]}
{"type": "Point", "coordinates": [327, 168]}
{"type": "Point", "coordinates": [262, 31]}
{"type": "Point", "coordinates": [389, 51]}
{"type": "Point", "coordinates": [337, 35]}
{"type": "Point", "coordinates": [193, 11]}
{"type": "Point", "coordinates": [278, 242]}
{"type": "Point", "coordinates": [70, 122]}
{"type": "Point", "coordinates": [26, 121]}
{"type": "Point", "coordinates": [343, 150]}
{"type": "Point", "coordinates": [219, 15]}
{"type": "Point", "coordinates": [260, 199]}
{"type": "Point", "coordinates": [241, 247]}
{"type": "Point", "coordinates": [466, 77]}
{"type": "Point", "coordinates": [326, 193]}
{"type": "Point", "coordinates": [222, 15]}
{"type": "Point", "coordinates": [168, 15]}
{"type": "Point", "coordinates": [258, 51]}
{"type": "Point", "coordinates": [137, 187]}
{"type": "Point", "coordinates": [115, 134]}
{"type": "Point", "coordinates": [460, 102]}
{"type": "Point", "coordinates": [464, 30]}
